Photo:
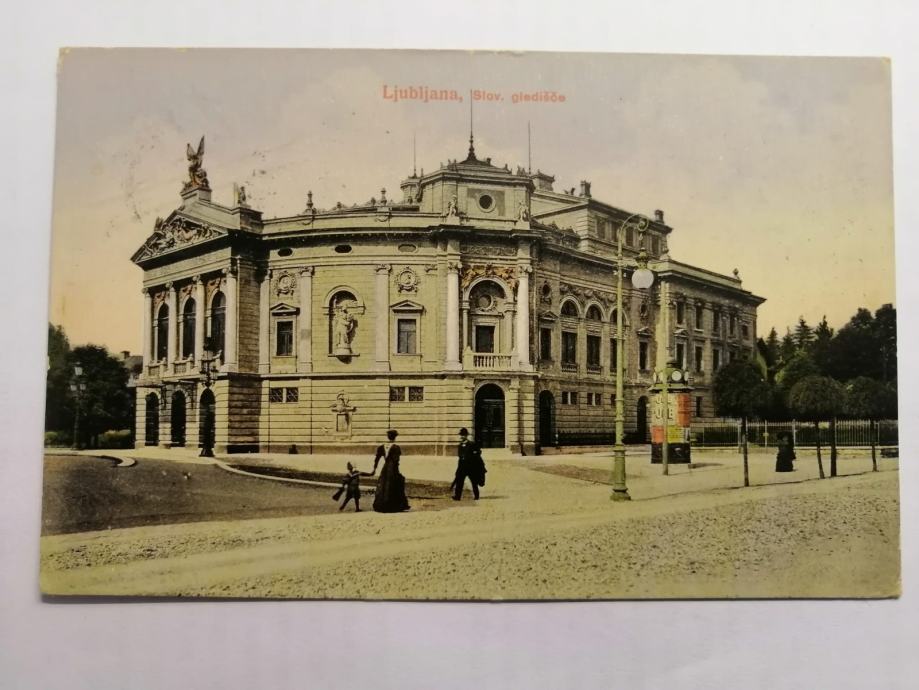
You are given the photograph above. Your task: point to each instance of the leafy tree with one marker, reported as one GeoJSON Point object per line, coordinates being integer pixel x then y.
{"type": "Point", "coordinates": [58, 399]}
{"type": "Point", "coordinates": [800, 366]}
{"type": "Point", "coordinates": [740, 390]}
{"type": "Point", "coordinates": [872, 400]}
{"type": "Point", "coordinates": [106, 402]}
{"type": "Point", "coordinates": [814, 399]}
{"type": "Point", "coordinates": [885, 333]}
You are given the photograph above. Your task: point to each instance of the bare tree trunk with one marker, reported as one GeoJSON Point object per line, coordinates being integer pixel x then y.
{"type": "Point", "coordinates": [833, 447]}
{"type": "Point", "coordinates": [746, 467]}
{"type": "Point", "coordinates": [819, 458]}
{"type": "Point", "coordinates": [874, 449]}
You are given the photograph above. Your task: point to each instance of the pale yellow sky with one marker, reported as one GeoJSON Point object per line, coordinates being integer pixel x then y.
{"type": "Point", "coordinates": [780, 167]}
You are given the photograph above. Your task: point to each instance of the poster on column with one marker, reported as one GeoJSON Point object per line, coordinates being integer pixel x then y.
{"type": "Point", "coordinates": [394, 273]}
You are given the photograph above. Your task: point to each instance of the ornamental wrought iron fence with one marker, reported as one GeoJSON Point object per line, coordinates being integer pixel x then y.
{"type": "Point", "coordinates": [849, 433]}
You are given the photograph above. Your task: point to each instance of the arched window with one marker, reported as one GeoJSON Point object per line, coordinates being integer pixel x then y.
{"type": "Point", "coordinates": [593, 313]}
{"type": "Point", "coordinates": [569, 309]}
{"type": "Point", "coordinates": [188, 329]}
{"type": "Point", "coordinates": [161, 344]}
{"type": "Point", "coordinates": [218, 322]}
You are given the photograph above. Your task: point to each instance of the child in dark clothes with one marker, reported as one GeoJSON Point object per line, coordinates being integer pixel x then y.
{"type": "Point", "coordinates": [352, 486]}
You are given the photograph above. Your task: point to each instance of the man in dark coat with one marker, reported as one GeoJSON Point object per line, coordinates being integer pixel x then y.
{"type": "Point", "coordinates": [469, 464]}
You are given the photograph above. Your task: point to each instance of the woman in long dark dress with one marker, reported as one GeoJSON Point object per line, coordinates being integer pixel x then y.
{"type": "Point", "coordinates": [390, 492]}
{"type": "Point", "coordinates": [784, 459]}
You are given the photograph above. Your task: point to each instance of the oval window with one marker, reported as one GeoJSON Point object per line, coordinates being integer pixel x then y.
{"type": "Point", "coordinates": [407, 248]}
{"type": "Point", "coordinates": [486, 202]}
{"type": "Point", "coordinates": [343, 248]}
{"type": "Point", "coordinates": [286, 251]}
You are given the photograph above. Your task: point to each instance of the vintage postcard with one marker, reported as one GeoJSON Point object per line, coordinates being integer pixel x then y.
{"type": "Point", "coordinates": [466, 325]}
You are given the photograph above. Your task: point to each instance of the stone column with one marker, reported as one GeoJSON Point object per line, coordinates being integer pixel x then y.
{"type": "Point", "coordinates": [199, 319]}
{"type": "Point", "coordinates": [381, 300]}
{"type": "Point", "coordinates": [232, 335]}
{"type": "Point", "coordinates": [171, 302]}
{"type": "Point", "coordinates": [264, 332]}
{"type": "Point", "coordinates": [453, 316]}
{"type": "Point", "coordinates": [523, 317]}
{"type": "Point", "coordinates": [467, 337]}
{"type": "Point", "coordinates": [148, 327]}
{"type": "Point", "coordinates": [305, 341]}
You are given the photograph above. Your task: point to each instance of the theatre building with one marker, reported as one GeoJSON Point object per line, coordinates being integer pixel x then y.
{"type": "Point", "coordinates": [482, 297]}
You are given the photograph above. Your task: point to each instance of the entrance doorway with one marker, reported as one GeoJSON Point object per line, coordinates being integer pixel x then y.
{"type": "Point", "coordinates": [546, 419]}
{"type": "Point", "coordinates": [206, 412]}
{"type": "Point", "coordinates": [489, 416]}
{"type": "Point", "coordinates": [152, 420]}
{"type": "Point", "coordinates": [642, 430]}
{"type": "Point", "coordinates": [177, 427]}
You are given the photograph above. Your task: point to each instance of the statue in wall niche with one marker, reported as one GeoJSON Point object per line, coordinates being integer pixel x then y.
{"type": "Point", "coordinates": [343, 326]}
{"type": "Point", "coordinates": [523, 213]}
{"type": "Point", "coordinates": [452, 207]}
{"type": "Point", "coordinates": [197, 176]}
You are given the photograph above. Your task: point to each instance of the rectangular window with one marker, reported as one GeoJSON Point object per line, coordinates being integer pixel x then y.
{"type": "Point", "coordinates": [291, 395]}
{"type": "Point", "coordinates": [680, 313]}
{"type": "Point", "coordinates": [416, 394]}
{"type": "Point", "coordinates": [396, 394]}
{"type": "Point", "coordinates": [545, 344]}
{"type": "Point", "coordinates": [716, 322]}
{"type": "Point", "coordinates": [407, 336]}
{"type": "Point", "coordinates": [643, 356]}
{"type": "Point", "coordinates": [284, 338]}
{"type": "Point", "coordinates": [564, 397]}
{"type": "Point", "coordinates": [569, 347]}
{"type": "Point", "coordinates": [698, 359]}
{"type": "Point", "coordinates": [612, 400]}
{"type": "Point", "coordinates": [573, 396]}
{"type": "Point", "coordinates": [629, 236]}
{"type": "Point", "coordinates": [655, 245]}
{"type": "Point", "coordinates": [593, 351]}
{"type": "Point", "coordinates": [681, 355]}
{"type": "Point", "coordinates": [700, 311]}
{"type": "Point", "coordinates": [716, 360]}
{"type": "Point", "coordinates": [698, 406]}
{"type": "Point", "coordinates": [612, 355]}
{"type": "Point", "coordinates": [484, 338]}
{"type": "Point", "coordinates": [275, 395]}
{"type": "Point", "coordinates": [745, 331]}
{"type": "Point", "coordinates": [732, 324]}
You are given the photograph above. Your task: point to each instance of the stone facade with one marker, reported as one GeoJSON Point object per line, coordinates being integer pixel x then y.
{"type": "Point", "coordinates": [483, 298]}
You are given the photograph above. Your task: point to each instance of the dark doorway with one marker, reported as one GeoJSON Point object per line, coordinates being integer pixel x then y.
{"type": "Point", "coordinates": [546, 419]}
{"type": "Point", "coordinates": [641, 433]}
{"type": "Point", "coordinates": [152, 420]}
{"type": "Point", "coordinates": [489, 416]}
{"type": "Point", "coordinates": [206, 415]}
{"type": "Point", "coordinates": [177, 426]}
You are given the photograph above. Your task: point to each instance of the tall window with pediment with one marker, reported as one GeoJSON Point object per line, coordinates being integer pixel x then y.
{"type": "Point", "coordinates": [188, 329]}
{"type": "Point", "coordinates": [162, 332]}
{"type": "Point", "coordinates": [218, 321]}
{"type": "Point", "coordinates": [487, 309]}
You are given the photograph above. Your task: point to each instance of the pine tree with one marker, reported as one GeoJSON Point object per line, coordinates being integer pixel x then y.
{"type": "Point", "coordinates": [804, 334]}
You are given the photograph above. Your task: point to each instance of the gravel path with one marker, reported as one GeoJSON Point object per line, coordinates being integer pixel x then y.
{"type": "Point", "coordinates": [813, 539]}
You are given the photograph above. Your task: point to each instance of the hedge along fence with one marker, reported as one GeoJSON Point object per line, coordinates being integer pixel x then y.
{"type": "Point", "coordinates": [849, 433]}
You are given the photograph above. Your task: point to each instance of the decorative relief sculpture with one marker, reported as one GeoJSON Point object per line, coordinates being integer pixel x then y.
{"type": "Point", "coordinates": [506, 273]}
{"type": "Point", "coordinates": [197, 176]}
{"type": "Point", "coordinates": [452, 210]}
{"type": "Point", "coordinates": [285, 284]}
{"type": "Point", "coordinates": [487, 250]}
{"type": "Point", "coordinates": [407, 280]}
{"type": "Point", "coordinates": [176, 233]}
{"type": "Point", "coordinates": [343, 410]}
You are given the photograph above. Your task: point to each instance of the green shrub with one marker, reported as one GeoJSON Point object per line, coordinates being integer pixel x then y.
{"type": "Point", "coordinates": [57, 439]}
{"type": "Point", "coordinates": [116, 439]}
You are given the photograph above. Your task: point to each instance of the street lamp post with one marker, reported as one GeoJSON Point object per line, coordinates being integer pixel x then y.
{"type": "Point", "coordinates": [642, 278]}
{"type": "Point", "coordinates": [78, 387]}
{"type": "Point", "coordinates": [207, 426]}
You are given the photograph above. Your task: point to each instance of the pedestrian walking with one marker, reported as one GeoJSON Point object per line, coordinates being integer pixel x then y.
{"type": "Point", "coordinates": [351, 487]}
{"type": "Point", "coordinates": [469, 465]}
{"type": "Point", "coordinates": [390, 493]}
{"type": "Point", "coordinates": [784, 458]}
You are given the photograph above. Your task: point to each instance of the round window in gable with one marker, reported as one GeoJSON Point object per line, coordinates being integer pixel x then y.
{"type": "Point", "coordinates": [286, 251]}
{"type": "Point", "coordinates": [343, 249]}
{"type": "Point", "coordinates": [486, 202]}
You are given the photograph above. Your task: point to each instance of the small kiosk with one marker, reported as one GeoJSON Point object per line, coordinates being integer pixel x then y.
{"type": "Point", "coordinates": [670, 399]}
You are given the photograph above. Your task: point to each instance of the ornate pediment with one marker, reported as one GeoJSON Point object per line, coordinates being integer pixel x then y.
{"type": "Point", "coordinates": [175, 233]}
{"type": "Point", "coordinates": [548, 316]}
{"type": "Point", "coordinates": [407, 305]}
{"type": "Point", "coordinates": [283, 309]}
